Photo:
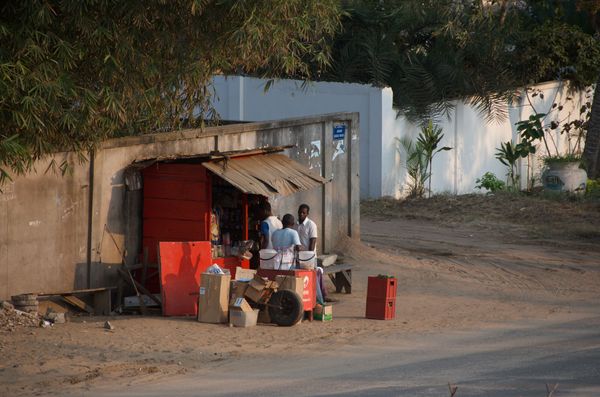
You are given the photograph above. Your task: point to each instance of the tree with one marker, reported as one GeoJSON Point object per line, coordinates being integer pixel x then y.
{"type": "Point", "coordinates": [432, 52]}
{"type": "Point", "coordinates": [73, 73]}
{"type": "Point", "coordinates": [591, 152]}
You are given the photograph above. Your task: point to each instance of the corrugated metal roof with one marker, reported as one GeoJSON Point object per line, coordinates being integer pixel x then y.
{"type": "Point", "coordinates": [266, 174]}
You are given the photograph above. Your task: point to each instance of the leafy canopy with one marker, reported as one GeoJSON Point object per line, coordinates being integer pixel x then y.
{"type": "Point", "coordinates": [433, 51]}
{"type": "Point", "coordinates": [73, 73]}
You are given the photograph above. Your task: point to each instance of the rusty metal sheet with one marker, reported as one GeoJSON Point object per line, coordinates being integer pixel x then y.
{"type": "Point", "coordinates": [266, 174]}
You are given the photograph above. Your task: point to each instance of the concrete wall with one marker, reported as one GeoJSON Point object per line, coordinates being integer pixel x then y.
{"type": "Point", "coordinates": [245, 99]}
{"type": "Point", "coordinates": [45, 222]}
{"type": "Point", "coordinates": [473, 139]}
{"type": "Point", "coordinates": [43, 230]}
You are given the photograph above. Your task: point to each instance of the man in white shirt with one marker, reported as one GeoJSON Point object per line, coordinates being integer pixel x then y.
{"type": "Point", "coordinates": [307, 231]}
{"type": "Point", "coordinates": [268, 226]}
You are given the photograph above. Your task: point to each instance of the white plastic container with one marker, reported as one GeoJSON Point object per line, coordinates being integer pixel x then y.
{"type": "Point", "coordinates": [286, 259]}
{"type": "Point", "coordinates": [564, 177]}
{"type": "Point", "coordinates": [268, 258]}
{"type": "Point", "coordinates": [307, 260]}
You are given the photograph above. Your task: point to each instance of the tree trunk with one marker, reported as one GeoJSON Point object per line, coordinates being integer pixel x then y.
{"type": "Point", "coordinates": [591, 152]}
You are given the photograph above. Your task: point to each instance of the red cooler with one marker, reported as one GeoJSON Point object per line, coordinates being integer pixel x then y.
{"type": "Point", "coordinates": [309, 297]}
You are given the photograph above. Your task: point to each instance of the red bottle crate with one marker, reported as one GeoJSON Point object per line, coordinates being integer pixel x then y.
{"type": "Point", "coordinates": [381, 309]}
{"type": "Point", "coordinates": [382, 287]}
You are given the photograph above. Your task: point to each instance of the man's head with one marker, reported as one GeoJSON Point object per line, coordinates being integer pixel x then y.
{"type": "Point", "coordinates": [288, 220]}
{"type": "Point", "coordinates": [303, 211]}
{"type": "Point", "coordinates": [265, 210]}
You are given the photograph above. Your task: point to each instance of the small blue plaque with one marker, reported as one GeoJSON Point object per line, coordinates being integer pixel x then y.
{"type": "Point", "coordinates": [339, 132]}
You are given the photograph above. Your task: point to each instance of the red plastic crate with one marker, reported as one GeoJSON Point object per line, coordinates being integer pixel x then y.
{"type": "Point", "coordinates": [381, 287]}
{"type": "Point", "coordinates": [381, 309]}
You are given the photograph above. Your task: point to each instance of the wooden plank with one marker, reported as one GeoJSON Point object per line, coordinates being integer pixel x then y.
{"type": "Point", "coordinates": [75, 301]}
{"type": "Point", "coordinates": [102, 303]}
{"type": "Point", "coordinates": [76, 292]}
{"type": "Point", "coordinates": [343, 280]}
{"type": "Point", "coordinates": [336, 268]}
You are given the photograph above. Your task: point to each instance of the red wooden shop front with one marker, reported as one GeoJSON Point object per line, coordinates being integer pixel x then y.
{"type": "Point", "coordinates": [178, 200]}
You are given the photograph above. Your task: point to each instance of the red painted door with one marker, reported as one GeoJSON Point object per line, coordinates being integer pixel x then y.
{"type": "Point", "coordinates": [181, 266]}
{"type": "Point", "coordinates": [177, 203]}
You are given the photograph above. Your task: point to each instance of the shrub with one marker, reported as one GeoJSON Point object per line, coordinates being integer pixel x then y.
{"type": "Point", "coordinates": [490, 182]}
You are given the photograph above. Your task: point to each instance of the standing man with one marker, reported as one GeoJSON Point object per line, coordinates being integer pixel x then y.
{"type": "Point", "coordinates": [286, 237]}
{"type": "Point", "coordinates": [307, 231]}
{"type": "Point", "coordinates": [286, 242]}
{"type": "Point", "coordinates": [269, 224]}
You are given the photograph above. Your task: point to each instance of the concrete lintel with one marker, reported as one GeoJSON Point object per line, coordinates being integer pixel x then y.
{"type": "Point", "coordinates": [221, 130]}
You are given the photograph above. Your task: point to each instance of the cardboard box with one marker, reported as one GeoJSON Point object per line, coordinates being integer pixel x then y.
{"type": "Point", "coordinates": [323, 312]}
{"type": "Point", "coordinates": [213, 298]}
{"type": "Point", "coordinates": [239, 318]}
{"type": "Point", "coordinates": [241, 304]}
{"type": "Point", "coordinates": [264, 317]}
{"type": "Point", "coordinates": [292, 283]}
{"type": "Point", "coordinates": [259, 289]}
{"type": "Point", "coordinates": [237, 290]}
{"type": "Point", "coordinates": [244, 274]}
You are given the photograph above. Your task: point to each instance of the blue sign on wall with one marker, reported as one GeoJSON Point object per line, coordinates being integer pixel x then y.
{"type": "Point", "coordinates": [339, 132]}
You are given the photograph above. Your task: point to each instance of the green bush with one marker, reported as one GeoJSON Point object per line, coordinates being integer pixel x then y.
{"type": "Point", "coordinates": [490, 182]}
{"type": "Point", "coordinates": [592, 188]}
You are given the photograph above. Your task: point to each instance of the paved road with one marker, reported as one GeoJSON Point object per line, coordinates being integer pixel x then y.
{"type": "Point", "coordinates": [514, 361]}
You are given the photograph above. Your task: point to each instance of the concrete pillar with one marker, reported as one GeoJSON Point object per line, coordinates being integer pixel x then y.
{"type": "Point", "coordinates": [375, 144]}
{"type": "Point", "coordinates": [235, 91]}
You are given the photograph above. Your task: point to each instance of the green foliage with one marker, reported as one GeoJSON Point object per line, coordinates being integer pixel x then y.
{"type": "Point", "coordinates": [434, 51]}
{"type": "Point", "coordinates": [569, 158]}
{"type": "Point", "coordinates": [419, 158]}
{"type": "Point", "coordinates": [429, 138]}
{"type": "Point", "coordinates": [490, 182]}
{"type": "Point", "coordinates": [73, 73]}
{"type": "Point", "coordinates": [559, 50]}
{"type": "Point", "coordinates": [530, 131]}
{"type": "Point", "coordinates": [508, 154]}
{"type": "Point", "coordinates": [536, 127]}
{"type": "Point", "coordinates": [416, 166]}
{"type": "Point", "coordinates": [592, 188]}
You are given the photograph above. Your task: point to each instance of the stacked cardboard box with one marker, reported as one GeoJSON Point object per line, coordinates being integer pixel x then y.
{"type": "Point", "coordinates": [241, 314]}
{"type": "Point", "coordinates": [292, 283]}
{"type": "Point", "coordinates": [260, 289]}
{"type": "Point", "coordinates": [213, 299]}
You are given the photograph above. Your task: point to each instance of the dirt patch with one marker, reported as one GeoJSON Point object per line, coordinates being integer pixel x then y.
{"type": "Point", "coordinates": [543, 216]}
{"type": "Point", "coordinates": [462, 263]}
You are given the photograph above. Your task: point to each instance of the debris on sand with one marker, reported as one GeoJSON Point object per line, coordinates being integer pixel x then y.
{"type": "Point", "coordinates": [12, 319]}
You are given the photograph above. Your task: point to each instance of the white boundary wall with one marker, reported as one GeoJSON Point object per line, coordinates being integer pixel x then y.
{"type": "Point", "coordinates": [382, 172]}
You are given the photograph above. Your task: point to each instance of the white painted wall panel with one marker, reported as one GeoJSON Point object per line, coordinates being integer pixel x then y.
{"type": "Point", "coordinates": [473, 140]}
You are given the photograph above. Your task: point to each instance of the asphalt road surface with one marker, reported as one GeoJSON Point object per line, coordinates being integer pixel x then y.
{"type": "Point", "coordinates": [515, 360]}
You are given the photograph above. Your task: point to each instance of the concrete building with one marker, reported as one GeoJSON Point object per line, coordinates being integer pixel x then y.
{"type": "Point", "coordinates": [54, 230]}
